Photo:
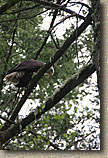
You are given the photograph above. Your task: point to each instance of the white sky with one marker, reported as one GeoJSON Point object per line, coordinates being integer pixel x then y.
{"type": "Point", "coordinates": [60, 29]}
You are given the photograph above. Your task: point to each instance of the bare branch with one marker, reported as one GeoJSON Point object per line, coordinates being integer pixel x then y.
{"type": "Point", "coordinates": [46, 38]}
{"type": "Point", "coordinates": [57, 55]}
{"type": "Point", "coordinates": [24, 9]}
{"type": "Point", "coordinates": [8, 5]}
{"type": "Point", "coordinates": [81, 3]}
{"type": "Point", "coordinates": [41, 72]}
{"type": "Point", "coordinates": [25, 17]}
{"type": "Point", "coordinates": [62, 20]}
{"type": "Point", "coordinates": [45, 139]}
{"type": "Point", "coordinates": [70, 84]}
{"type": "Point", "coordinates": [10, 121]}
{"type": "Point", "coordinates": [11, 3]}
{"type": "Point", "coordinates": [49, 33]}
{"type": "Point", "coordinates": [79, 140]}
{"type": "Point", "coordinates": [57, 6]}
{"type": "Point", "coordinates": [10, 49]}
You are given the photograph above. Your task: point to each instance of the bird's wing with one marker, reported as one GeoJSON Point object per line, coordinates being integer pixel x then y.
{"type": "Point", "coordinates": [28, 66]}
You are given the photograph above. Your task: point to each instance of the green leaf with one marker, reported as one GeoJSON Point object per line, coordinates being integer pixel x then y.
{"type": "Point", "coordinates": [75, 109]}
{"type": "Point", "coordinates": [64, 135]}
{"type": "Point", "coordinates": [39, 136]}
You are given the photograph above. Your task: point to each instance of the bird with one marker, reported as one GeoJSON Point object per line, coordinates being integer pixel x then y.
{"type": "Point", "coordinates": [21, 74]}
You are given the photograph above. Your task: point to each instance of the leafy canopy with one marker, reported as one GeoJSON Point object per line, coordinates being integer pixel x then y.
{"type": "Point", "coordinates": [73, 123]}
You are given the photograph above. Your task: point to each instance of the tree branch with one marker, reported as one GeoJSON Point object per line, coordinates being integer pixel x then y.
{"type": "Point", "coordinates": [11, 3]}
{"type": "Point", "coordinates": [57, 6]}
{"type": "Point", "coordinates": [41, 72]}
{"type": "Point", "coordinates": [57, 55]}
{"type": "Point", "coordinates": [10, 49]}
{"type": "Point", "coordinates": [8, 5]}
{"type": "Point", "coordinates": [24, 9]}
{"type": "Point", "coordinates": [25, 17]}
{"type": "Point", "coordinates": [45, 139]}
{"type": "Point", "coordinates": [81, 3]}
{"type": "Point", "coordinates": [79, 140]}
{"type": "Point", "coordinates": [12, 122]}
{"type": "Point", "coordinates": [46, 38]}
{"type": "Point", "coordinates": [69, 85]}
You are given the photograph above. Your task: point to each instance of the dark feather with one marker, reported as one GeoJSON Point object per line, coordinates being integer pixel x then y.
{"type": "Point", "coordinates": [23, 81]}
{"type": "Point", "coordinates": [27, 66]}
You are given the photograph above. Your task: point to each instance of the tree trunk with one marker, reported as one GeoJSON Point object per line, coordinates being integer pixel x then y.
{"type": "Point", "coordinates": [95, 5]}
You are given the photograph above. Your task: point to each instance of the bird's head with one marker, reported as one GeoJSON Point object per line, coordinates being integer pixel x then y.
{"type": "Point", "coordinates": [50, 72]}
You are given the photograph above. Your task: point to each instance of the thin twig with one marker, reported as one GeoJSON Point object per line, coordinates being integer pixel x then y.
{"type": "Point", "coordinates": [65, 89]}
{"type": "Point", "coordinates": [23, 9]}
{"type": "Point", "coordinates": [26, 17]}
{"type": "Point", "coordinates": [79, 140]}
{"type": "Point", "coordinates": [74, 81]}
{"type": "Point", "coordinates": [46, 38]}
{"type": "Point", "coordinates": [7, 120]}
{"type": "Point", "coordinates": [57, 6]}
{"type": "Point", "coordinates": [83, 4]}
{"type": "Point", "coordinates": [45, 139]}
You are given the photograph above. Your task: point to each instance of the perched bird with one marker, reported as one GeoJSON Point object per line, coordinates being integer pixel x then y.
{"type": "Point", "coordinates": [21, 74]}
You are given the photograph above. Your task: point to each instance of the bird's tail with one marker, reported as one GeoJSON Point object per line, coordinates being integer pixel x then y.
{"type": "Point", "coordinates": [11, 78]}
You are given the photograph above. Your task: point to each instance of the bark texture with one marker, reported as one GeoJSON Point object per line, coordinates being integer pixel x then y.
{"type": "Point", "coordinates": [95, 5]}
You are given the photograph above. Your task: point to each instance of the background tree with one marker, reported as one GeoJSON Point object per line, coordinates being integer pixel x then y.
{"type": "Point", "coordinates": [59, 118]}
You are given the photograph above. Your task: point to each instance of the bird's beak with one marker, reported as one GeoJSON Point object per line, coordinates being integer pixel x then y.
{"type": "Point", "coordinates": [50, 74]}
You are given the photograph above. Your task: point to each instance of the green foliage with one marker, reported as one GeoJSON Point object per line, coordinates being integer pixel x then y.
{"type": "Point", "coordinates": [69, 125]}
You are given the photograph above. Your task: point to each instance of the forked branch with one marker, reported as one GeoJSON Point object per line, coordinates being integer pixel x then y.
{"type": "Point", "coordinates": [69, 85]}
